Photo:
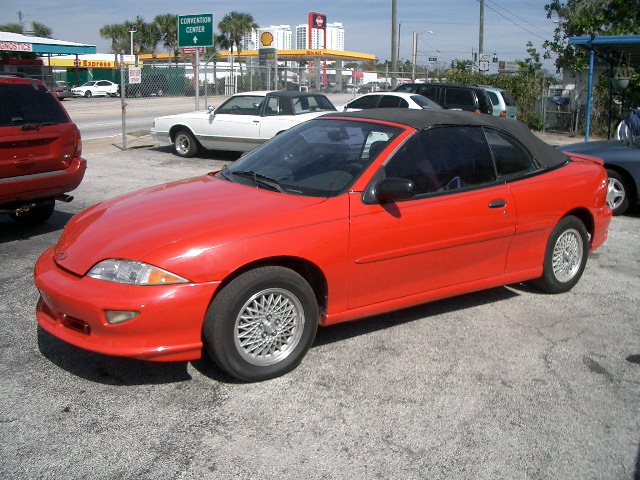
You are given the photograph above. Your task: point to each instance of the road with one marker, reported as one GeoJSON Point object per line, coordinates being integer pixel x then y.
{"type": "Point", "coordinates": [507, 383]}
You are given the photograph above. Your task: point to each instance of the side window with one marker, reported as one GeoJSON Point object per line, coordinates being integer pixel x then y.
{"type": "Point", "coordinates": [511, 158]}
{"type": "Point", "coordinates": [241, 105]}
{"type": "Point", "coordinates": [364, 102]}
{"type": "Point", "coordinates": [444, 159]}
{"type": "Point", "coordinates": [458, 96]}
{"type": "Point", "coordinates": [428, 91]}
{"type": "Point", "coordinates": [389, 101]}
{"type": "Point", "coordinates": [272, 106]}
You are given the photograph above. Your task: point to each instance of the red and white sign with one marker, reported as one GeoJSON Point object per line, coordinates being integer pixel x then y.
{"type": "Point", "coordinates": [192, 50]}
{"type": "Point", "coordinates": [135, 75]}
{"type": "Point", "coordinates": [16, 47]}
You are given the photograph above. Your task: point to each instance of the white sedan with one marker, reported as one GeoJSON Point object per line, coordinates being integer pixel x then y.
{"type": "Point", "coordinates": [96, 88]}
{"type": "Point", "coordinates": [390, 100]}
{"type": "Point", "coordinates": [241, 123]}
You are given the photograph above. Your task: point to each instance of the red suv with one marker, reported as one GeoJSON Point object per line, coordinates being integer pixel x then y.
{"type": "Point", "coordinates": [40, 150]}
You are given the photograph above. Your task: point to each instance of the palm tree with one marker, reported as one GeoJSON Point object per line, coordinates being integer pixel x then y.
{"type": "Point", "coordinates": [236, 25]}
{"type": "Point", "coordinates": [115, 33]}
{"type": "Point", "coordinates": [168, 27]}
{"type": "Point", "coordinates": [41, 30]}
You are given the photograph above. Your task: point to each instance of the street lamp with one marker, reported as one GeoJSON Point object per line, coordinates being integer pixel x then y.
{"type": "Point", "coordinates": [132, 31]}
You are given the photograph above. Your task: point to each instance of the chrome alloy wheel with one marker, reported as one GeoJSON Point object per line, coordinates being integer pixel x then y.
{"type": "Point", "coordinates": [269, 327]}
{"type": "Point", "coordinates": [568, 253]}
{"type": "Point", "coordinates": [183, 144]}
{"type": "Point", "coordinates": [615, 193]}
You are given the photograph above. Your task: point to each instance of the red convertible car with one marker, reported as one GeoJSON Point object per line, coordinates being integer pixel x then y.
{"type": "Point", "coordinates": [341, 217]}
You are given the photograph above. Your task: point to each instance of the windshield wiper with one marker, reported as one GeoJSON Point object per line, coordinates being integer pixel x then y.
{"type": "Point", "coordinates": [35, 126]}
{"type": "Point", "coordinates": [259, 179]}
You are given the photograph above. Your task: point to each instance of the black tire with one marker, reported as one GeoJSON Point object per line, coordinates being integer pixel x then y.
{"type": "Point", "coordinates": [88, 94]}
{"type": "Point", "coordinates": [35, 216]}
{"type": "Point", "coordinates": [261, 324]}
{"type": "Point", "coordinates": [617, 193]}
{"type": "Point", "coordinates": [185, 144]}
{"type": "Point", "coordinates": [565, 257]}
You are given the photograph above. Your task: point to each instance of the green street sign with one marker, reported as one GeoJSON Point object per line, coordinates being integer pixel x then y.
{"type": "Point", "coordinates": [195, 30]}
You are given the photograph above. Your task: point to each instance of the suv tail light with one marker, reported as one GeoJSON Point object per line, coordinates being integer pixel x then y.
{"type": "Point", "coordinates": [78, 151]}
{"type": "Point", "coordinates": [503, 114]}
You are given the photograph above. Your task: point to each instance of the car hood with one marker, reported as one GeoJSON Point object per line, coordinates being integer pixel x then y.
{"type": "Point", "coordinates": [204, 211]}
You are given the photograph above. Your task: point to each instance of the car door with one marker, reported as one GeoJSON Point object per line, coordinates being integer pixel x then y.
{"type": "Point", "coordinates": [235, 125]}
{"type": "Point", "coordinates": [456, 230]}
{"type": "Point", "coordinates": [103, 87]}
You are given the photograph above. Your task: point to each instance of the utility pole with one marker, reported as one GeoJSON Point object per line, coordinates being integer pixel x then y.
{"type": "Point", "coordinates": [481, 36]}
{"type": "Point", "coordinates": [394, 40]}
{"type": "Point", "coordinates": [415, 54]}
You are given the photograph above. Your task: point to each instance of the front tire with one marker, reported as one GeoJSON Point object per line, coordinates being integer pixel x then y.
{"type": "Point", "coordinates": [88, 94]}
{"type": "Point", "coordinates": [185, 144]}
{"type": "Point", "coordinates": [565, 257]}
{"type": "Point", "coordinates": [261, 324]}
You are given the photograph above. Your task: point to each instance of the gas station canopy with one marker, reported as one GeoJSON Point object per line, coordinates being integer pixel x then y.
{"type": "Point", "coordinates": [15, 42]}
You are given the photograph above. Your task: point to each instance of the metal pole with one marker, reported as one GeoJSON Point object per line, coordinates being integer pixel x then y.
{"type": "Point", "coordinates": [196, 73]}
{"type": "Point", "coordinates": [122, 102]}
{"type": "Point", "coordinates": [481, 35]}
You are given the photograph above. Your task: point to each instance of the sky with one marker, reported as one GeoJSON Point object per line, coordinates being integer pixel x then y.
{"type": "Point", "coordinates": [446, 29]}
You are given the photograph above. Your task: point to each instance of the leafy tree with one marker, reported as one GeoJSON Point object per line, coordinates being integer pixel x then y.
{"type": "Point", "coordinates": [532, 65]}
{"type": "Point", "coordinates": [588, 17]}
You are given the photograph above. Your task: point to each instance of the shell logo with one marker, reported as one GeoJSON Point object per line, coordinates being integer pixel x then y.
{"type": "Point", "coordinates": [266, 39]}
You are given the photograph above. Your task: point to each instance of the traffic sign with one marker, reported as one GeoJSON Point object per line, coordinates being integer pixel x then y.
{"type": "Point", "coordinates": [195, 30]}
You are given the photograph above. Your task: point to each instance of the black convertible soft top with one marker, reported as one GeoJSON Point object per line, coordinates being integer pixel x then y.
{"type": "Point", "coordinates": [545, 154]}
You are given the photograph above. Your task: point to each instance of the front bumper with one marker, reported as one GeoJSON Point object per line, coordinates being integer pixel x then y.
{"type": "Point", "coordinates": [168, 327]}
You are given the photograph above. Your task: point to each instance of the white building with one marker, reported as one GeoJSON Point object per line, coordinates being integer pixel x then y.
{"type": "Point", "coordinates": [335, 37]}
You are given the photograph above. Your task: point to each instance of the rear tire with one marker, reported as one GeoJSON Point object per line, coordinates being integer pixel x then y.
{"type": "Point", "coordinates": [185, 144]}
{"type": "Point", "coordinates": [565, 257]}
{"type": "Point", "coordinates": [261, 324]}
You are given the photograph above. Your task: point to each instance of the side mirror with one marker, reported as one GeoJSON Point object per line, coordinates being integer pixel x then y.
{"type": "Point", "coordinates": [391, 189]}
{"type": "Point", "coordinates": [210, 109]}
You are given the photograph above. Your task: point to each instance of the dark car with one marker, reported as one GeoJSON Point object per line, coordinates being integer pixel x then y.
{"type": "Point", "coordinates": [452, 96]}
{"type": "Point", "coordinates": [40, 150]}
{"type": "Point", "coordinates": [154, 85]}
{"type": "Point", "coordinates": [622, 161]}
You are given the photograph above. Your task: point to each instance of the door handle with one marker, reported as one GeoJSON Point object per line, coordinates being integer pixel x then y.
{"type": "Point", "coordinates": [497, 204]}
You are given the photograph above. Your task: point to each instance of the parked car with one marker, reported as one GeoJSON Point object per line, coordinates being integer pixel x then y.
{"type": "Point", "coordinates": [40, 151]}
{"type": "Point", "coordinates": [390, 100]}
{"type": "Point", "coordinates": [622, 161]}
{"type": "Point", "coordinates": [341, 217]}
{"type": "Point", "coordinates": [96, 88]}
{"type": "Point", "coordinates": [153, 85]}
{"type": "Point", "coordinates": [452, 96]}
{"type": "Point", "coordinates": [241, 123]}
{"type": "Point", "coordinates": [502, 102]}
{"type": "Point", "coordinates": [62, 90]}
{"type": "Point", "coordinates": [374, 87]}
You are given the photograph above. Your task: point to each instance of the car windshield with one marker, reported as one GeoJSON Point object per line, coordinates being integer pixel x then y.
{"type": "Point", "coordinates": [318, 158]}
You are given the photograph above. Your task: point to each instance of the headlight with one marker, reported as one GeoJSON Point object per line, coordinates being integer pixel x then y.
{"type": "Point", "coordinates": [133, 273]}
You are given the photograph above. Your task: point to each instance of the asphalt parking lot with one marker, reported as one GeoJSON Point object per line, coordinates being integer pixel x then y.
{"type": "Point", "coordinates": [507, 383]}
